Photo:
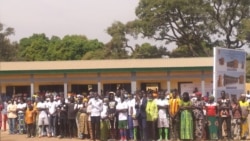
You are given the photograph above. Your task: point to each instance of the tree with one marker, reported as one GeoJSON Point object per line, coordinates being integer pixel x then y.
{"type": "Point", "coordinates": [196, 26]}
{"type": "Point", "coordinates": [118, 47]}
{"type": "Point", "coordinates": [34, 48]}
{"type": "Point", "coordinates": [8, 49]}
{"type": "Point", "coordinates": [146, 50]}
{"type": "Point", "coordinates": [38, 47]}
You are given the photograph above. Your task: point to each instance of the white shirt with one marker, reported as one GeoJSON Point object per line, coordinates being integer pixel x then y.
{"type": "Point", "coordinates": [121, 106]}
{"type": "Point", "coordinates": [104, 112]}
{"type": "Point", "coordinates": [131, 107]}
{"type": "Point", "coordinates": [117, 99]}
{"type": "Point", "coordinates": [248, 97]}
{"type": "Point", "coordinates": [162, 113]}
{"type": "Point", "coordinates": [52, 107]}
{"type": "Point", "coordinates": [42, 113]}
{"type": "Point", "coordinates": [21, 106]}
{"type": "Point", "coordinates": [96, 107]}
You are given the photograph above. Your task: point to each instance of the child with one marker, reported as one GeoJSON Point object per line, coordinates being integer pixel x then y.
{"type": "Point", "coordinates": [29, 120]}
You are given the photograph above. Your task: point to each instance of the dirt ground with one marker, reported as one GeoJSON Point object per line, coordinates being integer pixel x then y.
{"type": "Point", "coordinates": [4, 136]}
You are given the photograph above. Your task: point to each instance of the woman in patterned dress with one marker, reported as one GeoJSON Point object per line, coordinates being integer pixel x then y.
{"type": "Point", "coordinates": [236, 119]}
{"type": "Point", "coordinates": [199, 104]}
{"type": "Point", "coordinates": [211, 111]}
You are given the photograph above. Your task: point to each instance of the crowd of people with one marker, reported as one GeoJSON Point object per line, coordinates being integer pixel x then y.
{"type": "Point", "coordinates": [144, 116]}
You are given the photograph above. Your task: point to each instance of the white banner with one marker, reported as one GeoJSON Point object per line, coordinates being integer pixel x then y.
{"type": "Point", "coordinates": [229, 73]}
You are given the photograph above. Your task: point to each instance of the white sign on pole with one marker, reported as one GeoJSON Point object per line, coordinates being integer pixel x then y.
{"type": "Point", "coordinates": [229, 73]}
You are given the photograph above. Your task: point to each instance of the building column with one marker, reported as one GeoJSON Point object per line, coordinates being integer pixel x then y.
{"type": "Point", "coordinates": [65, 85]}
{"type": "Point", "coordinates": [99, 84]}
{"type": "Point", "coordinates": [168, 82]}
{"type": "Point", "coordinates": [203, 83]}
{"type": "Point", "coordinates": [32, 85]}
{"type": "Point", "coordinates": [133, 82]}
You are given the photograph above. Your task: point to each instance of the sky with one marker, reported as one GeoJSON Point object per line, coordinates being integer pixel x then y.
{"type": "Point", "coordinates": [65, 17]}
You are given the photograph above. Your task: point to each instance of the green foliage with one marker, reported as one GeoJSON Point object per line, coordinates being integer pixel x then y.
{"type": "Point", "coordinates": [72, 47]}
{"type": "Point", "coordinates": [8, 49]}
{"type": "Point", "coordinates": [146, 50]}
{"type": "Point", "coordinates": [196, 26]}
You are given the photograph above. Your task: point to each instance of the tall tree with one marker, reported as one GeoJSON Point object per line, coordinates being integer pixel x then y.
{"type": "Point", "coordinates": [118, 46]}
{"type": "Point", "coordinates": [8, 49]}
{"type": "Point", "coordinates": [196, 26]}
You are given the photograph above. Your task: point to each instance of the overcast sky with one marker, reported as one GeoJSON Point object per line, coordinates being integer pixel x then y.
{"type": "Point", "coordinates": [64, 17]}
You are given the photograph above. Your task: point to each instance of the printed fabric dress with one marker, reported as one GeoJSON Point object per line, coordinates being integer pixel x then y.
{"type": "Point", "coordinates": [235, 121]}
{"type": "Point", "coordinates": [186, 122]}
{"type": "Point", "coordinates": [212, 120]}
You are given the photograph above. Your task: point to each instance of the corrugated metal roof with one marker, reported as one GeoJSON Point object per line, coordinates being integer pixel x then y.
{"type": "Point", "coordinates": [108, 64]}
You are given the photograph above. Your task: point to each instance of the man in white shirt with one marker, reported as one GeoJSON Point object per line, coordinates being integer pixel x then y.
{"type": "Point", "coordinates": [163, 117]}
{"type": "Point", "coordinates": [52, 115]}
{"type": "Point", "coordinates": [96, 105]}
{"type": "Point", "coordinates": [21, 107]}
{"type": "Point", "coordinates": [43, 120]}
{"type": "Point", "coordinates": [122, 109]}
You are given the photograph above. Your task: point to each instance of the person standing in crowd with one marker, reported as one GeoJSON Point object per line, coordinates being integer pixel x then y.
{"type": "Point", "coordinates": [77, 107]}
{"type": "Point", "coordinates": [111, 114]}
{"type": "Point", "coordinates": [105, 121]}
{"type": "Point", "coordinates": [62, 114]}
{"type": "Point", "coordinates": [21, 108]}
{"type": "Point", "coordinates": [89, 118]}
{"type": "Point", "coordinates": [29, 120]}
{"type": "Point", "coordinates": [163, 116]}
{"type": "Point", "coordinates": [141, 108]}
{"type": "Point", "coordinates": [71, 115]}
{"type": "Point", "coordinates": [43, 121]}
{"type": "Point", "coordinates": [199, 105]}
{"type": "Point", "coordinates": [174, 107]}
{"type": "Point", "coordinates": [248, 96]}
{"type": "Point", "coordinates": [244, 105]}
{"type": "Point", "coordinates": [4, 113]}
{"type": "Point", "coordinates": [1, 108]}
{"type": "Point", "coordinates": [236, 119]}
{"type": "Point", "coordinates": [186, 132]}
{"type": "Point", "coordinates": [131, 106]}
{"type": "Point", "coordinates": [224, 116]}
{"type": "Point", "coordinates": [122, 110]}
{"type": "Point", "coordinates": [11, 110]}
{"type": "Point", "coordinates": [135, 118]}
{"type": "Point", "coordinates": [95, 114]}
{"type": "Point", "coordinates": [52, 115]}
{"type": "Point", "coordinates": [211, 111]}
{"type": "Point", "coordinates": [83, 119]}
{"type": "Point", "coordinates": [151, 117]}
